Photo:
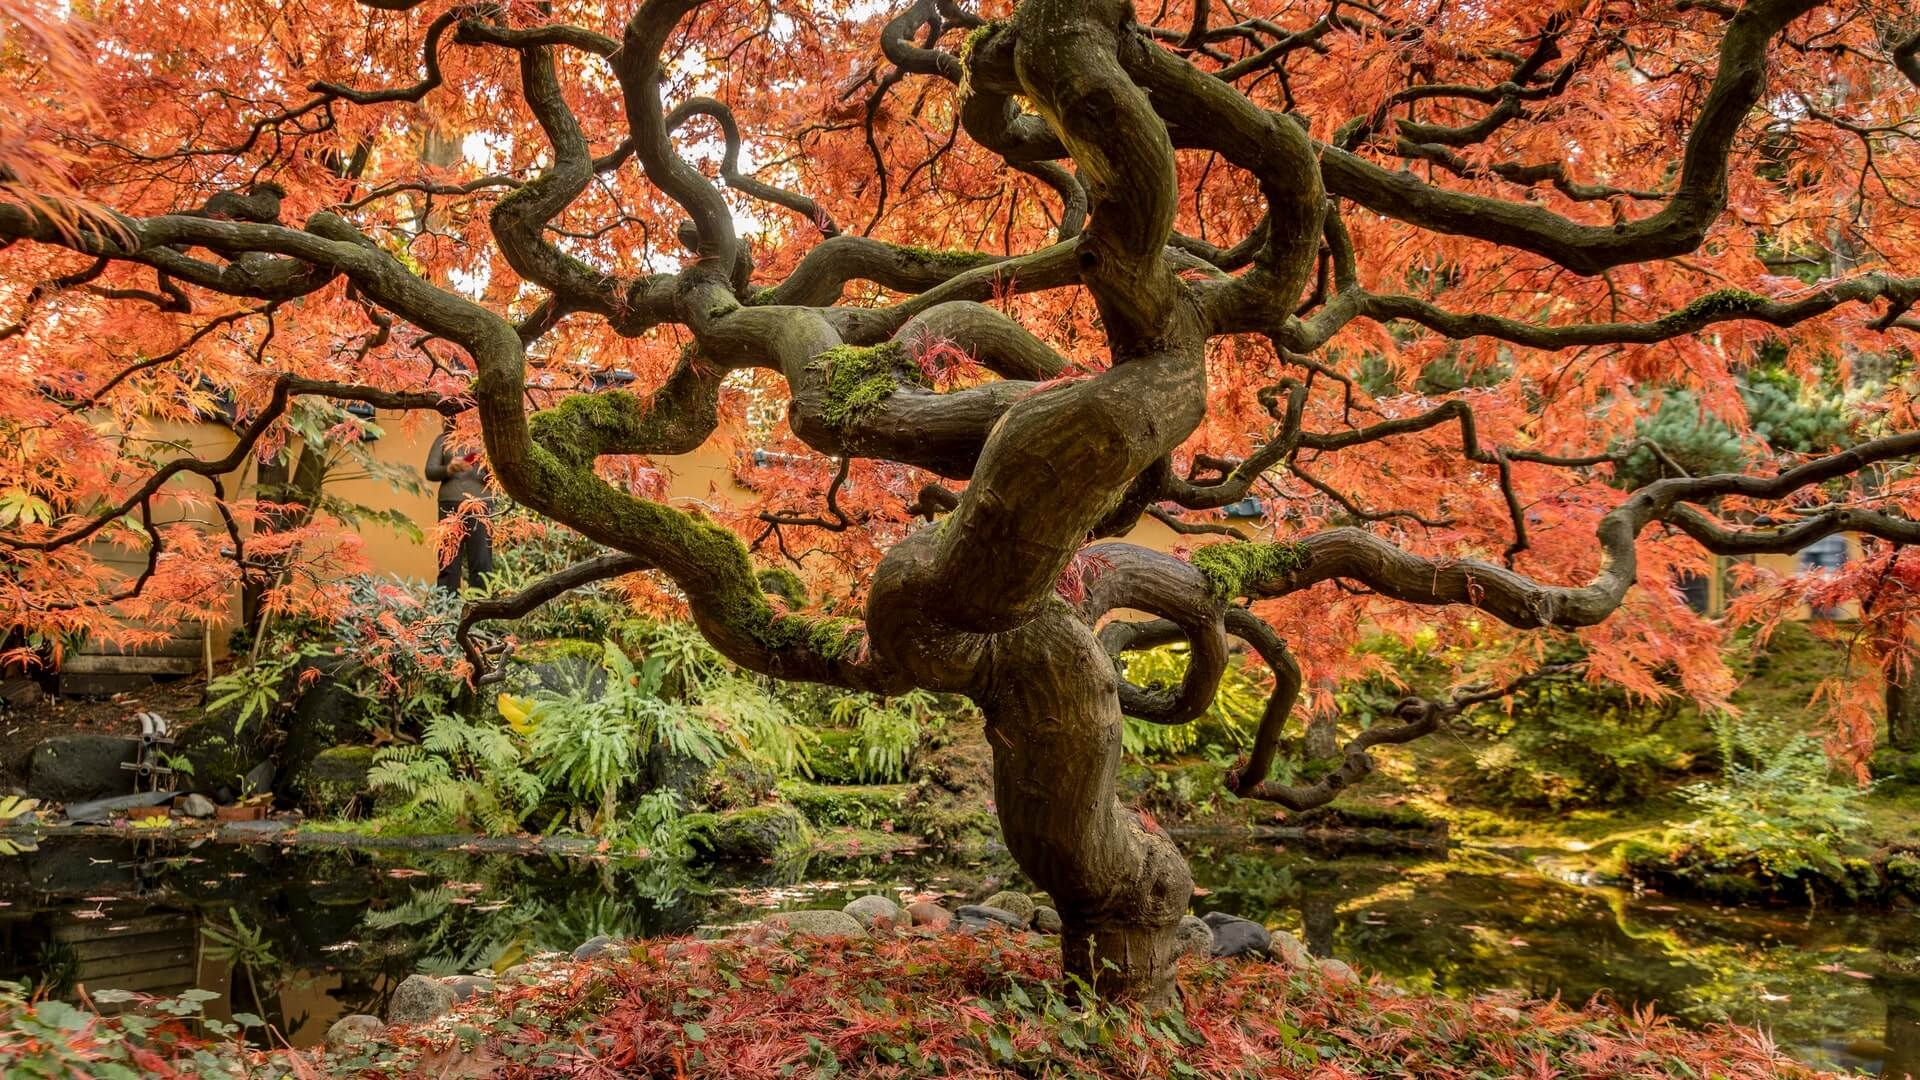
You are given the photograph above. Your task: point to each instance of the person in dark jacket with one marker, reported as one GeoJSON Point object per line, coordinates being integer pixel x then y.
{"type": "Point", "coordinates": [462, 476]}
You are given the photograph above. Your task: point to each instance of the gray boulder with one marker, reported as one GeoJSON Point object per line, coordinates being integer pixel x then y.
{"type": "Point", "coordinates": [757, 832]}
{"type": "Point", "coordinates": [597, 945]}
{"type": "Point", "coordinates": [465, 987]}
{"type": "Point", "coordinates": [982, 917]}
{"type": "Point", "coordinates": [420, 1000]}
{"type": "Point", "coordinates": [929, 914]}
{"type": "Point", "coordinates": [353, 1030]}
{"type": "Point", "coordinates": [1019, 903]}
{"type": "Point", "coordinates": [817, 924]}
{"type": "Point", "coordinates": [74, 768]}
{"type": "Point", "coordinates": [1192, 938]}
{"type": "Point", "coordinates": [875, 912]}
{"type": "Point", "coordinates": [1235, 936]}
{"type": "Point", "coordinates": [199, 806]}
{"type": "Point", "coordinates": [1289, 950]}
{"type": "Point", "coordinates": [1046, 920]}
{"type": "Point", "coordinates": [1337, 971]}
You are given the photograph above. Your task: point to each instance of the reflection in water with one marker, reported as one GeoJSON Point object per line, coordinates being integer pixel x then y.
{"type": "Point", "coordinates": [302, 936]}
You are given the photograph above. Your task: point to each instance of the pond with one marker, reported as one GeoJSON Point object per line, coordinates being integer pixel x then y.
{"type": "Point", "coordinates": [302, 935]}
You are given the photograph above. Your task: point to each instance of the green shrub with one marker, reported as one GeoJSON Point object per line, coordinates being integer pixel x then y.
{"type": "Point", "coordinates": [1574, 743]}
{"type": "Point", "coordinates": [462, 774]}
{"type": "Point", "coordinates": [1775, 808]}
{"type": "Point", "coordinates": [1229, 723]}
{"type": "Point", "coordinates": [876, 738]}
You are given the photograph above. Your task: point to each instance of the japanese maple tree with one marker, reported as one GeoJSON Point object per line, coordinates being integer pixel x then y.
{"type": "Point", "coordinates": [1030, 272]}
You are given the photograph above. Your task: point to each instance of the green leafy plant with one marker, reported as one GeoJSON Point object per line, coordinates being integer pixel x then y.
{"type": "Point", "coordinates": [1775, 807]}
{"type": "Point", "coordinates": [1572, 743]}
{"type": "Point", "coordinates": [259, 690]}
{"type": "Point", "coordinates": [592, 745]}
{"type": "Point", "coordinates": [764, 729]}
{"type": "Point", "coordinates": [50, 1038]}
{"type": "Point", "coordinates": [1230, 720]}
{"type": "Point", "coordinates": [887, 731]}
{"type": "Point", "coordinates": [461, 774]}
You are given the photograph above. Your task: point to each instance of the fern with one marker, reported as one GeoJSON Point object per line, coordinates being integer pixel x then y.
{"type": "Point", "coordinates": [461, 774]}
{"type": "Point", "coordinates": [1775, 805]}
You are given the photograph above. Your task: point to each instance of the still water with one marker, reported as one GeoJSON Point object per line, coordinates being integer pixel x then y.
{"type": "Point", "coordinates": [301, 936]}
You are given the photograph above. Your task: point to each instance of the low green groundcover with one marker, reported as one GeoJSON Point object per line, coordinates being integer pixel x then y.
{"type": "Point", "coordinates": [957, 1005]}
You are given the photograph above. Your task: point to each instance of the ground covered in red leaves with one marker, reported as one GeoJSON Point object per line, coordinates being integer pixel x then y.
{"type": "Point", "coordinates": [992, 1006]}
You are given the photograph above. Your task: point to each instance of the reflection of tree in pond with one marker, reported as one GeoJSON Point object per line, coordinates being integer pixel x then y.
{"type": "Point", "coordinates": [1898, 983]}
{"type": "Point", "coordinates": [1903, 1028]}
{"type": "Point", "coordinates": [1447, 928]}
{"type": "Point", "coordinates": [1243, 882]}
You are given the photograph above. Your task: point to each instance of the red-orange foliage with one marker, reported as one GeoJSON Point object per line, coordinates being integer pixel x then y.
{"type": "Point", "coordinates": [152, 108]}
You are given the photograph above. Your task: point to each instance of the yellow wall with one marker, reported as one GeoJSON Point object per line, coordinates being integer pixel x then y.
{"type": "Point", "coordinates": [697, 479]}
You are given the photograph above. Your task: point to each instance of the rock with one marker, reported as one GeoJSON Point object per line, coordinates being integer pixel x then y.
{"type": "Point", "coordinates": [875, 912]}
{"type": "Point", "coordinates": [420, 1000]}
{"type": "Point", "coordinates": [982, 917]}
{"type": "Point", "coordinates": [220, 756]}
{"type": "Point", "coordinates": [199, 806]}
{"type": "Point", "coordinates": [1337, 972]}
{"type": "Point", "coordinates": [828, 806]}
{"type": "Point", "coordinates": [931, 915]}
{"type": "Point", "coordinates": [759, 832]}
{"type": "Point", "coordinates": [352, 1030]}
{"type": "Point", "coordinates": [334, 784]}
{"type": "Point", "coordinates": [817, 924]}
{"type": "Point", "coordinates": [1288, 949]}
{"type": "Point", "coordinates": [1192, 938]}
{"type": "Point", "coordinates": [949, 802]}
{"type": "Point", "coordinates": [326, 713]}
{"type": "Point", "coordinates": [835, 759]}
{"type": "Point", "coordinates": [735, 783]}
{"type": "Point", "coordinates": [258, 779]}
{"type": "Point", "coordinates": [1235, 936]}
{"type": "Point", "coordinates": [597, 945]}
{"type": "Point", "coordinates": [467, 986]}
{"type": "Point", "coordinates": [1046, 920]}
{"type": "Point", "coordinates": [19, 693]}
{"type": "Point", "coordinates": [74, 768]}
{"type": "Point", "coordinates": [1019, 903]}
{"type": "Point", "coordinates": [562, 665]}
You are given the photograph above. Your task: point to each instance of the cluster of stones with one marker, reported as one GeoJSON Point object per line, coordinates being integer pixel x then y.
{"type": "Point", "coordinates": [422, 998]}
{"type": "Point", "coordinates": [1216, 934]}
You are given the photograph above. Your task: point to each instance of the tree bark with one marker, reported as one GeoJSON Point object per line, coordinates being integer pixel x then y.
{"type": "Point", "coordinates": [1053, 719]}
{"type": "Point", "coordinates": [1323, 736]}
{"type": "Point", "coordinates": [1903, 709]}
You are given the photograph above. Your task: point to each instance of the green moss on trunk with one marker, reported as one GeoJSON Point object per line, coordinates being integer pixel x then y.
{"type": "Point", "coordinates": [859, 378]}
{"type": "Point", "coordinates": [1233, 569]}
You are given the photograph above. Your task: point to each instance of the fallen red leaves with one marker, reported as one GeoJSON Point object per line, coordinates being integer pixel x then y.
{"type": "Point", "coordinates": [991, 1006]}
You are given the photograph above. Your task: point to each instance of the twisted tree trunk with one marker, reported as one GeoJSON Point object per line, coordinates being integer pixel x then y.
{"type": "Point", "coordinates": [1903, 707]}
{"type": "Point", "coordinates": [1053, 718]}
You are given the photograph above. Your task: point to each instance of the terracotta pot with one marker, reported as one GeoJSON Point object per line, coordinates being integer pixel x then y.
{"type": "Point", "coordinates": [240, 813]}
{"type": "Point", "coordinates": [139, 812]}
